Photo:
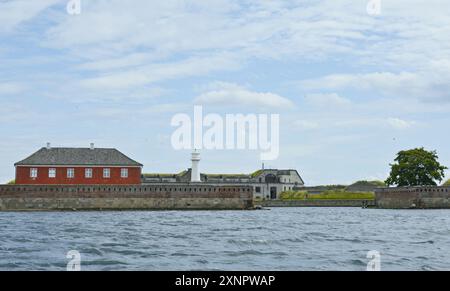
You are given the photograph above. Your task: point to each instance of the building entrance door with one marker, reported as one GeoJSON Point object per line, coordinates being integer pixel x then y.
{"type": "Point", "coordinates": [273, 192]}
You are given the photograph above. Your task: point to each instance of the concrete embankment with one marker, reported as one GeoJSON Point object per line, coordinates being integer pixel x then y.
{"type": "Point", "coordinates": [413, 198]}
{"type": "Point", "coordinates": [317, 203]}
{"type": "Point", "coordinates": [114, 197]}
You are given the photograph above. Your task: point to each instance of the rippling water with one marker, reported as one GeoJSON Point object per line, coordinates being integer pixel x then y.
{"type": "Point", "coordinates": [275, 239]}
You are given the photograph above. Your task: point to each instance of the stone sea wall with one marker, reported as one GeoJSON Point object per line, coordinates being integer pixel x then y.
{"type": "Point", "coordinates": [413, 197]}
{"type": "Point", "coordinates": [115, 197]}
{"type": "Point", "coordinates": [318, 203]}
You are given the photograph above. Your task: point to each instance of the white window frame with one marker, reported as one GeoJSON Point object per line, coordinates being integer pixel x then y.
{"type": "Point", "coordinates": [88, 173]}
{"type": "Point", "coordinates": [52, 173]}
{"type": "Point", "coordinates": [33, 173]}
{"type": "Point", "coordinates": [106, 173]}
{"type": "Point", "coordinates": [123, 173]}
{"type": "Point", "coordinates": [70, 173]}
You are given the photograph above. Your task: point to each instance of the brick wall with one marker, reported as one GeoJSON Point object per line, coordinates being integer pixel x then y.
{"type": "Point", "coordinates": [23, 176]}
{"type": "Point", "coordinates": [413, 197]}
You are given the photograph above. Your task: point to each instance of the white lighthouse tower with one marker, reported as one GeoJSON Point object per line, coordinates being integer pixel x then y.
{"type": "Point", "coordinates": [195, 171]}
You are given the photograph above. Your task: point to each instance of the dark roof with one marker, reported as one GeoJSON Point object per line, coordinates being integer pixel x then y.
{"type": "Point", "coordinates": [78, 157]}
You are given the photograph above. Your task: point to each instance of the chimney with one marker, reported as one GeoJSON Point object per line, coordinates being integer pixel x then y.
{"type": "Point", "coordinates": [92, 145]}
{"type": "Point", "coordinates": [48, 146]}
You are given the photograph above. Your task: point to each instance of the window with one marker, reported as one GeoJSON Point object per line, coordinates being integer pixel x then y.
{"type": "Point", "coordinates": [258, 189]}
{"type": "Point", "coordinates": [70, 173]}
{"type": "Point", "coordinates": [52, 173]}
{"type": "Point", "coordinates": [106, 173]}
{"type": "Point", "coordinates": [88, 173]}
{"type": "Point", "coordinates": [123, 173]}
{"type": "Point", "coordinates": [33, 172]}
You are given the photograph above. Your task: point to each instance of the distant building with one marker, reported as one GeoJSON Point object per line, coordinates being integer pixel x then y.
{"type": "Point", "coordinates": [78, 166]}
{"type": "Point", "coordinates": [102, 166]}
{"type": "Point", "coordinates": [266, 183]}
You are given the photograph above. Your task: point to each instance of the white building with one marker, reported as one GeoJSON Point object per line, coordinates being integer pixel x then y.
{"type": "Point", "coordinates": [267, 183]}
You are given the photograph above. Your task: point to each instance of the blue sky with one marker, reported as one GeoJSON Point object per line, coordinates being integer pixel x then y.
{"type": "Point", "coordinates": [352, 89]}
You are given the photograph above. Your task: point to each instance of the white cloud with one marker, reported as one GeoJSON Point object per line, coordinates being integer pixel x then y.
{"type": "Point", "coordinates": [131, 60]}
{"type": "Point", "coordinates": [331, 99]}
{"type": "Point", "coordinates": [299, 29]}
{"type": "Point", "coordinates": [398, 123]}
{"type": "Point", "coordinates": [10, 88]}
{"type": "Point", "coordinates": [381, 81]}
{"type": "Point", "coordinates": [152, 73]}
{"type": "Point", "coordinates": [424, 86]}
{"type": "Point", "coordinates": [13, 13]}
{"type": "Point", "coordinates": [235, 95]}
{"type": "Point", "coordinates": [306, 124]}
{"type": "Point", "coordinates": [122, 44]}
{"type": "Point", "coordinates": [119, 112]}
{"type": "Point", "coordinates": [10, 112]}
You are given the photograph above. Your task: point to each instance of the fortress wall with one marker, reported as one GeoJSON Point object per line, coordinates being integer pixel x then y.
{"type": "Point", "coordinates": [413, 197]}
{"type": "Point", "coordinates": [118, 197]}
{"type": "Point", "coordinates": [318, 203]}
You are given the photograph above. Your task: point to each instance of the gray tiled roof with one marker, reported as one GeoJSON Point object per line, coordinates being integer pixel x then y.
{"type": "Point", "coordinates": [78, 157]}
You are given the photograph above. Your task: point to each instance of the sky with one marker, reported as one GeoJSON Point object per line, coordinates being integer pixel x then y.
{"type": "Point", "coordinates": [351, 88]}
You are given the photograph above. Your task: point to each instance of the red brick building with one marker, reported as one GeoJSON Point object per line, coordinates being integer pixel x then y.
{"type": "Point", "coordinates": [78, 166]}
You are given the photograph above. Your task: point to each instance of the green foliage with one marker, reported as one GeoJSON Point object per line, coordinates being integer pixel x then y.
{"type": "Point", "coordinates": [376, 183]}
{"type": "Point", "coordinates": [12, 182]}
{"type": "Point", "coordinates": [330, 194]}
{"type": "Point", "coordinates": [334, 187]}
{"type": "Point", "coordinates": [256, 173]}
{"type": "Point", "coordinates": [227, 175]}
{"type": "Point", "coordinates": [416, 167]}
{"type": "Point", "coordinates": [294, 195]}
{"type": "Point", "coordinates": [447, 183]}
{"type": "Point", "coordinates": [343, 195]}
{"type": "Point", "coordinates": [322, 188]}
{"type": "Point", "coordinates": [162, 175]}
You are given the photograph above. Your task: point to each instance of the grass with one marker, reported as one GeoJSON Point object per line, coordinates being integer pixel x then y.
{"type": "Point", "coordinates": [227, 175]}
{"type": "Point", "coordinates": [163, 175]}
{"type": "Point", "coordinates": [369, 183]}
{"type": "Point", "coordinates": [256, 173]}
{"type": "Point", "coordinates": [331, 194]}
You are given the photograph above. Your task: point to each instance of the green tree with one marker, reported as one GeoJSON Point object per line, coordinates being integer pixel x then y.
{"type": "Point", "coordinates": [447, 183]}
{"type": "Point", "coordinates": [416, 167]}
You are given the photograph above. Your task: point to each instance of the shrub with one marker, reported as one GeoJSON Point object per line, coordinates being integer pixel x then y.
{"type": "Point", "coordinates": [330, 194]}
